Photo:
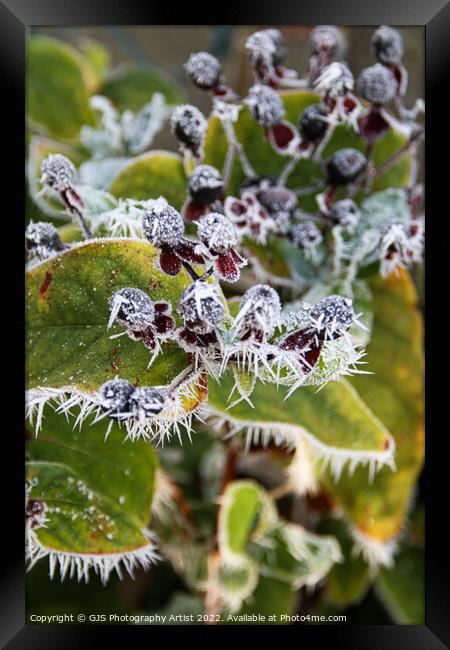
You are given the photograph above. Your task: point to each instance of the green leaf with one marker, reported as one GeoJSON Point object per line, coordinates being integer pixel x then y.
{"type": "Point", "coordinates": [335, 421]}
{"type": "Point", "coordinates": [97, 58]}
{"type": "Point", "coordinates": [272, 599]}
{"type": "Point", "coordinates": [131, 86]}
{"type": "Point", "coordinates": [67, 313]}
{"type": "Point", "coordinates": [402, 587]}
{"type": "Point", "coordinates": [347, 582]}
{"type": "Point", "coordinates": [158, 173]}
{"type": "Point", "coordinates": [395, 394]}
{"type": "Point", "coordinates": [57, 96]}
{"type": "Point", "coordinates": [97, 494]}
{"type": "Point", "coordinates": [245, 512]}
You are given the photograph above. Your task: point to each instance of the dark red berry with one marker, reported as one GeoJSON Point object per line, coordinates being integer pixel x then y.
{"type": "Point", "coordinates": [313, 122]}
{"type": "Point", "coordinates": [345, 166]}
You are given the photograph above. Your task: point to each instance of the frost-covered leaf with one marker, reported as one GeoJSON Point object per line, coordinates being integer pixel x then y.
{"type": "Point", "coordinates": [67, 315]}
{"type": "Point", "coordinates": [335, 421]}
{"type": "Point", "coordinates": [236, 583]}
{"type": "Point", "coordinates": [151, 175]}
{"type": "Point", "coordinates": [99, 174]}
{"type": "Point", "coordinates": [96, 498]}
{"type": "Point", "coordinates": [347, 582]}
{"type": "Point", "coordinates": [131, 86]}
{"type": "Point", "coordinates": [57, 96]}
{"type": "Point", "coordinates": [402, 587]}
{"type": "Point", "coordinates": [245, 513]}
{"type": "Point", "coordinates": [96, 202]}
{"type": "Point", "coordinates": [297, 556]}
{"type": "Point", "coordinates": [395, 394]}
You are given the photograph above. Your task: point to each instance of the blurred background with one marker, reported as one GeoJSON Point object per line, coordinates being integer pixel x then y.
{"type": "Point", "coordinates": [167, 49]}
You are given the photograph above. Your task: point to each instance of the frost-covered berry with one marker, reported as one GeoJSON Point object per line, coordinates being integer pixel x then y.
{"type": "Point", "coordinates": [146, 402]}
{"type": "Point", "coordinates": [345, 213]}
{"type": "Point", "coordinates": [200, 307]}
{"type": "Point", "coordinates": [188, 124]}
{"type": "Point", "coordinates": [334, 80]}
{"type": "Point", "coordinates": [35, 507]}
{"type": "Point", "coordinates": [260, 309]}
{"type": "Point", "coordinates": [277, 199]}
{"type": "Point", "coordinates": [131, 308]}
{"type": "Point", "coordinates": [265, 105]}
{"type": "Point", "coordinates": [377, 84]}
{"type": "Point", "coordinates": [217, 232]}
{"type": "Point", "coordinates": [306, 235]}
{"type": "Point", "coordinates": [345, 166]}
{"type": "Point", "coordinates": [332, 316]}
{"type": "Point", "coordinates": [279, 42]}
{"type": "Point", "coordinates": [261, 50]}
{"type": "Point", "coordinates": [162, 225]}
{"type": "Point", "coordinates": [204, 70]}
{"type": "Point", "coordinates": [325, 38]}
{"type": "Point", "coordinates": [58, 172]}
{"type": "Point", "coordinates": [42, 240]}
{"type": "Point", "coordinates": [115, 397]}
{"type": "Point", "coordinates": [313, 122]}
{"type": "Point", "coordinates": [205, 184]}
{"type": "Point", "coordinates": [387, 45]}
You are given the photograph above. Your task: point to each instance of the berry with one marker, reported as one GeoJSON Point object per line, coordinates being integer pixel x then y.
{"type": "Point", "coordinates": [332, 316]}
{"type": "Point", "coordinates": [345, 213]}
{"type": "Point", "coordinates": [277, 199]}
{"type": "Point", "coordinates": [260, 308]}
{"type": "Point", "coordinates": [306, 235]}
{"type": "Point", "coordinates": [42, 240]}
{"type": "Point", "coordinates": [345, 166]}
{"type": "Point", "coordinates": [387, 45]}
{"type": "Point", "coordinates": [279, 42]}
{"type": "Point", "coordinates": [377, 84]}
{"type": "Point", "coordinates": [205, 184]}
{"type": "Point", "coordinates": [201, 308]}
{"type": "Point", "coordinates": [188, 124]}
{"type": "Point", "coordinates": [58, 172]}
{"type": "Point", "coordinates": [258, 183]}
{"type": "Point", "coordinates": [132, 309]}
{"type": "Point", "coordinates": [313, 123]}
{"type": "Point", "coordinates": [334, 80]}
{"type": "Point", "coordinates": [115, 397]}
{"type": "Point", "coordinates": [325, 38]}
{"type": "Point", "coordinates": [217, 232]}
{"type": "Point", "coordinates": [261, 50]}
{"type": "Point", "coordinates": [35, 507]}
{"type": "Point", "coordinates": [265, 105]}
{"type": "Point", "coordinates": [204, 70]}
{"type": "Point", "coordinates": [146, 402]}
{"type": "Point", "coordinates": [162, 225]}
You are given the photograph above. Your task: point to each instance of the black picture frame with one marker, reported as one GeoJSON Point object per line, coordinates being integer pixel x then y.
{"type": "Point", "coordinates": [434, 15]}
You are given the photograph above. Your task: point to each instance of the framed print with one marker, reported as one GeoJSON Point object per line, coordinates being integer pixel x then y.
{"type": "Point", "coordinates": [226, 322]}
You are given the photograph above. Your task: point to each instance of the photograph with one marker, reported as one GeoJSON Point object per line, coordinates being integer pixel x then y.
{"type": "Point", "coordinates": [224, 323]}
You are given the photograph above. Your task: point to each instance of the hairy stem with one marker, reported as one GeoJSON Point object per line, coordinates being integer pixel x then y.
{"type": "Point", "coordinates": [238, 148]}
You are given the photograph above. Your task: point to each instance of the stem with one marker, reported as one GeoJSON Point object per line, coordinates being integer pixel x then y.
{"type": "Point", "coordinates": [302, 191]}
{"type": "Point", "coordinates": [238, 148]}
{"type": "Point", "coordinates": [228, 166]}
{"type": "Point", "coordinates": [190, 270]}
{"type": "Point", "coordinates": [281, 490]}
{"type": "Point", "coordinates": [390, 162]}
{"type": "Point", "coordinates": [77, 212]}
{"type": "Point", "coordinates": [323, 143]}
{"type": "Point", "coordinates": [288, 169]}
